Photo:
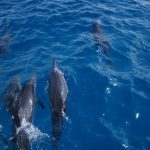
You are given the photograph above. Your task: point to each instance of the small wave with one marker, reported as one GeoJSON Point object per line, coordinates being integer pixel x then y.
{"type": "Point", "coordinates": [140, 93]}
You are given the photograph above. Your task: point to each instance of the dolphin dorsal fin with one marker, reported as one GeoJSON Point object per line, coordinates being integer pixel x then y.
{"type": "Point", "coordinates": [54, 63]}
{"type": "Point", "coordinates": [32, 79]}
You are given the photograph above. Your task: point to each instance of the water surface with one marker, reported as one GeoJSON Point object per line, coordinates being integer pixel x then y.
{"type": "Point", "coordinates": [108, 107]}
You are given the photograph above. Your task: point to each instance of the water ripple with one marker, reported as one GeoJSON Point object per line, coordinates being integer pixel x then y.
{"type": "Point", "coordinates": [41, 30]}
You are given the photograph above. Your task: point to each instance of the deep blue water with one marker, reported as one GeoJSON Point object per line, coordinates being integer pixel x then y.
{"type": "Point", "coordinates": [108, 107]}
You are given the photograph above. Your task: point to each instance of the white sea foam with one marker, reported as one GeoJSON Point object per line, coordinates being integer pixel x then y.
{"type": "Point", "coordinates": [108, 90]}
{"type": "Point", "coordinates": [33, 132]}
{"type": "Point", "coordinates": [137, 115]}
{"type": "Point", "coordinates": [113, 81]}
{"type": "Point", "coordinates": [1, 127]}
{"type": "Point", "coordinates": [125, 146]}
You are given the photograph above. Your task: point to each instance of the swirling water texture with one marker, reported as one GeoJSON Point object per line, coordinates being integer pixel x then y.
{"type": "Point", "coordinates": [108, 108]}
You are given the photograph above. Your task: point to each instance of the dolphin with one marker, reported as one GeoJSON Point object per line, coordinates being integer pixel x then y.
{"type": "Point", "coordinates": [12, 96]}
{"type": "Point", "coordinates": [101, 42]}
{"type": "Point", "coordinates": [99, 38]}
{"type": "Point", "coordinates": [26, 102]}
{"type": "Point", "coordinates": [22, 109]}
{"type": "Point", "coordinates": [4, 42]}
{"type": "Point", "coordinates": [58, 91]}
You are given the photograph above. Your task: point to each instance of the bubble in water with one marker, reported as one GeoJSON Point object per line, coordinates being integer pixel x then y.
{"type": "Point", "coordinates": [113, 81]}
{"type": "Point", "coordinates": [126, 123]}
{"type": "Point", "coordinates": [115, 84]}
{"type": "Point", "coordinates": [125, 146]}
{"type": "Point", "coordinates": [103, 114]}
{"type": "Point", "coordinates": [137, 115]}
{"type": "Point", "coordinates": [97, 51]}
{"type": "Point", "coordinates": [12, 117]}
{"type": "Point", "coordinates": [108, 90]}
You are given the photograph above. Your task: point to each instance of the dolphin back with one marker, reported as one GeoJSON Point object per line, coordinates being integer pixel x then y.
{"type": "Point", "coordinates": [26, 101]}
{"type": "Point", "coordinates": [58, 89]}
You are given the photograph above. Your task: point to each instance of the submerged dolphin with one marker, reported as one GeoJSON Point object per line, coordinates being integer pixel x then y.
{"type": "Point", "coordinates": [4, 41]}
{"type": "Point", "coordinates": [58, 91]}
{"type": "Point", "coordinates": [22, 109]}
{"type": "Point", "coordinates": [12, 95]}
{"type": "Point", "coordinates": [99, 38]}
{"type": "Point", "coordinates": [101, 42]}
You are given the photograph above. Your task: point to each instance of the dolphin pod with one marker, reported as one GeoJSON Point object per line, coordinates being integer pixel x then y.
{"type": "Point", "coordinates": [21, 102]}
{"type": "Point", "coordinates": [58, 92]}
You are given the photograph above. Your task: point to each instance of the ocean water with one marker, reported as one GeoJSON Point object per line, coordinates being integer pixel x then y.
{"type": "Point", "coordinates": [108, 107]}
